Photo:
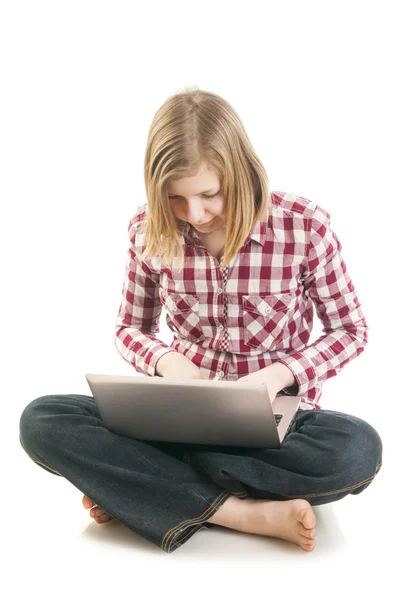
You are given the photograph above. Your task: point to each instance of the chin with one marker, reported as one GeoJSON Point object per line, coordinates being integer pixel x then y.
{"type": "Point", "coordinates": [209, 222]}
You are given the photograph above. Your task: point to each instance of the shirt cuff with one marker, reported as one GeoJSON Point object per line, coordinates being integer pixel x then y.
{"type": "Point", "coordinates": [304, 374]}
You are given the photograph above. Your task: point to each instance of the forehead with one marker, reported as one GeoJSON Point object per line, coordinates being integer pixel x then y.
{"type": "Point", "coordinates": [196, 185]}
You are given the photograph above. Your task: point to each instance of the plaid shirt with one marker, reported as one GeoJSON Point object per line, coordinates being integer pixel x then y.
{"type": "Point", "coordinates": [257, 310]}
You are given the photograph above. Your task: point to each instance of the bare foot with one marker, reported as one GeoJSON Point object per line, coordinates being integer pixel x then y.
{"type": "Point", "coordinates": [97, 513]}
{"type": "Point", "coordinates": [291, 520]}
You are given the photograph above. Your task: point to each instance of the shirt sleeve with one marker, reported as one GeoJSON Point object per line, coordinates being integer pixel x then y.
{"type": "Point", "coordinates": [330, 287]}
{"type": "Point", "coordinates": [139, 314]}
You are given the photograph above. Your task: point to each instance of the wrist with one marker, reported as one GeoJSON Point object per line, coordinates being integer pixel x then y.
{"type": "Point", "coordinates": [283, 375]}
{"type": "Point", "coordinates": [163, 362]}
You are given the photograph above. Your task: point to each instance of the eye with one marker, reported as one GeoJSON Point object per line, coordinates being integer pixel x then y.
{"type": "Point", "coordinates": [204, 196]}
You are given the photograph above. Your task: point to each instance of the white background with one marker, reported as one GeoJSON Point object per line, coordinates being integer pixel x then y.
{"type": "Point", "coordinates": [315, 86]}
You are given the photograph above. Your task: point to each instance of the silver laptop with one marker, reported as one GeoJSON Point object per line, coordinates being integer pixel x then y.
{"type": "Point", "coordinates": [197, 411]}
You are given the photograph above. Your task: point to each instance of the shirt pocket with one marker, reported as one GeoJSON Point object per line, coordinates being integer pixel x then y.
{"type": "Point", "coordinates": [183, 315]}
{"type": "Point", "coordinates": [265, 319]}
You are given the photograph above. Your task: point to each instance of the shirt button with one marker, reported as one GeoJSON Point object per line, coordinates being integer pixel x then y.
{"type": "Point", "coordinates": [220, 327]}
{"type": "Point", "coordinates": [219, 290]}
{"type": "Point", "coordinates": [268, 309]}
{"type": "Point", "coordinates": [174, 307]}
{"type": "Point", "coordinates": [221, 373]}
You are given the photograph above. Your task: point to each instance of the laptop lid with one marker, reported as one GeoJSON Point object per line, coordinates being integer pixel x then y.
{"type": "Point", "coordinates": [197, 411]}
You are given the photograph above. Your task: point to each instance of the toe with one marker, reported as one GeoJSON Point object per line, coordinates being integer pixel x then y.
{"type": "Point", "coordinates": [308, 533]}
{"type": "Point", "coordinates": [310, 546]}
{"type": "Point", "coordinates": [308, 518]}
{"type": "Point", "coordinates": [97, 511]}
{"type": "Point", "coordinates": [87, 502]}
{"type": "Point", "coordinates": [104, 518]}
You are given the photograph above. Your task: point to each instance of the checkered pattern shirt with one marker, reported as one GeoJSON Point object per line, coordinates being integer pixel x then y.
{"type": "Point", "coordinates": [257, 310]}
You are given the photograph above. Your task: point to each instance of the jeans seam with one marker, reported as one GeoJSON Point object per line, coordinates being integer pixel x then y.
{"type": "Point", "coordinates": [171, 537]}
{"type": "Point", "coordinates": [351, 487]}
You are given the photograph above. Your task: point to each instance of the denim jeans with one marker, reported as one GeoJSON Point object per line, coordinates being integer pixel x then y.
{"type": "Point", "coordinates": [166, 491]}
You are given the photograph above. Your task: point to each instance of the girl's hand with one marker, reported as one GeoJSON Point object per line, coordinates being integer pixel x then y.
{"type": "Point", "coordinates": [277, 376]}
{"type": "Point", "coordinates": [263, 376]}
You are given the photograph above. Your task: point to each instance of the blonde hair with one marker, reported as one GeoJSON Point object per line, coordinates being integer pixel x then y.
{"type": "Point", "coordinates": [194, 127]}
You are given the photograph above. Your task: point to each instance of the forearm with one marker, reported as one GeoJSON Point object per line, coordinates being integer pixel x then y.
{"type": "Point", "coordinates": [175, 364]}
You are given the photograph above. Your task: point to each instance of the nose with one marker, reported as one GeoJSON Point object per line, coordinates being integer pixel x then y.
{"type": "Point", "coordinates": [195, 214]}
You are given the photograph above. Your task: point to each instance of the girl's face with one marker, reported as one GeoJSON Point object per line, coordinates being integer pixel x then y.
{"type": "Point", "coordinates": [198, 200]}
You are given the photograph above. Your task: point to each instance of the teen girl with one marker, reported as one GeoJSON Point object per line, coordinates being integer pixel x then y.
{"type": "Point", "coordinates": [239, 270]}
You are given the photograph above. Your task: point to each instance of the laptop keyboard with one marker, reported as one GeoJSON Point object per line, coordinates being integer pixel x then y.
{"type": "Point", "coordinates": [278, 417]}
